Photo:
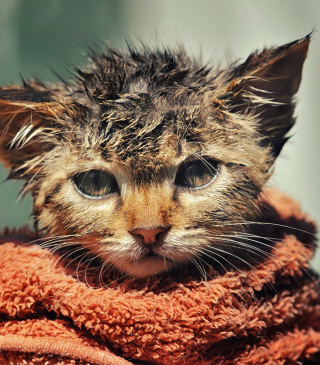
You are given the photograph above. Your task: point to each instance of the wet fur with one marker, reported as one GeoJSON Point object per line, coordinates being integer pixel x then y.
{"type": "Point", "coordinates": [139, 116]}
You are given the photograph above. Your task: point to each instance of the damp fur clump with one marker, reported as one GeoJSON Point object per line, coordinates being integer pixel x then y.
{"type": "Point", "coordinates": [150, 160]}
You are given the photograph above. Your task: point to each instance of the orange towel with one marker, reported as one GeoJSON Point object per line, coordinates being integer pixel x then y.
{"type": "Point", "coordinates": [269, 314]}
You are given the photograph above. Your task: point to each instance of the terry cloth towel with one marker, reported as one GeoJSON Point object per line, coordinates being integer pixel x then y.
{"type": "Point", "coordinates": [268, 314]}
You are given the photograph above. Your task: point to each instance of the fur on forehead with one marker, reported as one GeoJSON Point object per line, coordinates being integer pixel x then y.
{"type": "Point", "coordinates": [142, 102]}
{"type": "Point", "coordinates": [156, 137]}
{"type": "Point", "coordinates": [142, 93]}
{"type": "Point", "coordinates": [133, 99]}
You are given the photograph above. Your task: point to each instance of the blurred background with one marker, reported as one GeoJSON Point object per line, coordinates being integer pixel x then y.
{"type": "Point", "coordinates": [37, 36]}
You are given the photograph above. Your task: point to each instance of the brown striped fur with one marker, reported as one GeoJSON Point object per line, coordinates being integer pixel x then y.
{"type": "Point", "coordinates": [140, 116]}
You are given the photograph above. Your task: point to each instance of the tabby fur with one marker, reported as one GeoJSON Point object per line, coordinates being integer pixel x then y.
{"type": "Point", "coordinates": [139, 116]}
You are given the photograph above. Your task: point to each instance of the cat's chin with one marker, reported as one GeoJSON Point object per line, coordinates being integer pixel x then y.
{"type": "Point", "coordinates": [148, 266]}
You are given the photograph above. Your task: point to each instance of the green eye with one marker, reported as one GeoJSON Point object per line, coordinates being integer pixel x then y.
{"type": "Point", "coordinates": [95, 183]}
{"type": "Point", "coordinates": [197, 173]}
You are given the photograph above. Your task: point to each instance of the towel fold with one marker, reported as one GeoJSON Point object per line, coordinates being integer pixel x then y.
{"type": "Point", "coordinates": [53, 311]}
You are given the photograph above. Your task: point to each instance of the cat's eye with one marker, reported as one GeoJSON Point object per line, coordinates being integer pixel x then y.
{"type": "Point", "coordinates": [197, 173]}
{"type": "Point", "coordinates": [95, 184]}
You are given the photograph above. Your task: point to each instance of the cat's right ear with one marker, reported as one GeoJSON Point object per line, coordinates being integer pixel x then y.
{"type": "Point", "coordinates": [27, 116]}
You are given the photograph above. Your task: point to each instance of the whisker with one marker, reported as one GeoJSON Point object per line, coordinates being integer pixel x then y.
{"type": "Point", "coordinates": [270, 224]}
{"type": "Point", "coordinates": [199, 267]}
{"type": "Point", "coordinates": [287, 256]}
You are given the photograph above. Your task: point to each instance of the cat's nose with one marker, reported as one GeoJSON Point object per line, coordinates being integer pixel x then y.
{"type": "Point", "coordinates": [149, 235]}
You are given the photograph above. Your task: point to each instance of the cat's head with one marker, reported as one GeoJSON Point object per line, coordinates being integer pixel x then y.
{"type": "Point", "coordinates": [148, 159]}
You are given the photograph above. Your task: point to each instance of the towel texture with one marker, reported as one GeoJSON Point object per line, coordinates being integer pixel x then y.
{"type": "Point", "coordinates": [54, 312]}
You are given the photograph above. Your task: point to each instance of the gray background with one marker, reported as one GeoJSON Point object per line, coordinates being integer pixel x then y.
{"type": "Point", "coordinates": [37, 35]}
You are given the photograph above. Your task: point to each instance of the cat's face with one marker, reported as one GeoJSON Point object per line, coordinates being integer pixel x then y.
{"type": "Point", "coordinates": [149, 161]}
{"type": "Point", "coordinates": [179, 193]}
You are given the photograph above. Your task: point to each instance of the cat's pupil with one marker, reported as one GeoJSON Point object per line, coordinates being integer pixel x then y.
{"type": "Point", "coordinates": [196, 173]}
{"type": "Point", "coordinates": [95, 183]}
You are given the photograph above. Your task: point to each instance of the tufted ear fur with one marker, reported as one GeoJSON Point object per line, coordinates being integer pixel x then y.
{"type": "Point", "coordinates": [265, 85]}
{"type": "Point", "coordinates": [26, 117]}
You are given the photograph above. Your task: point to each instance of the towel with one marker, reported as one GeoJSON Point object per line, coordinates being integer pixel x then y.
{"type": "Point", "coordinates": [55, 310]}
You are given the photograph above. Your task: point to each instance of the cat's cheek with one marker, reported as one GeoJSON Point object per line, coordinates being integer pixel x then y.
{"type": "Point", "coordinates": [47, 220]}
{"type": "Point", "coordinates": [77, 214]}
{"type": "Point", "coordinates": [198, 202]}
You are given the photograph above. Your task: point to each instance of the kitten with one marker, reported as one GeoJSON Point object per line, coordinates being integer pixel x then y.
{"type": "Point", "coordinates": [149, 159]}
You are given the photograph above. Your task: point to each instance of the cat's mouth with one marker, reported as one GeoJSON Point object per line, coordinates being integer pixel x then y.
{"type": "Point", "coordinates": [151, 254]}
{"type": "Point", "coordinates": [148, 262]}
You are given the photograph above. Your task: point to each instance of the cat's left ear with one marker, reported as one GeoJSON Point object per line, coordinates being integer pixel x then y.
{"type": "Point", "coordinates": [27, 118]}
{"type": "Point", "coordinates": [265, 85]}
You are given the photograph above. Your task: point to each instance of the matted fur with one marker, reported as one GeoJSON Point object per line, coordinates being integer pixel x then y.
{"type": "Point", "coordinates": [140, 116]}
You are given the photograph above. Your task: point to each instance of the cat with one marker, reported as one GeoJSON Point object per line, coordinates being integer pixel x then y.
{"type": "Point", "coordinates": [150, 160]}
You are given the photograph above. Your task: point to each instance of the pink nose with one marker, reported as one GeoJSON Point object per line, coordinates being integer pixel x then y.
{"type": "Point", "coordinates": [149, 235]}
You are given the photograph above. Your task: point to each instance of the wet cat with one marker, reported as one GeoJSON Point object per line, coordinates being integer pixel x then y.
{"type": "Point", "coordinates": [149, 159]}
